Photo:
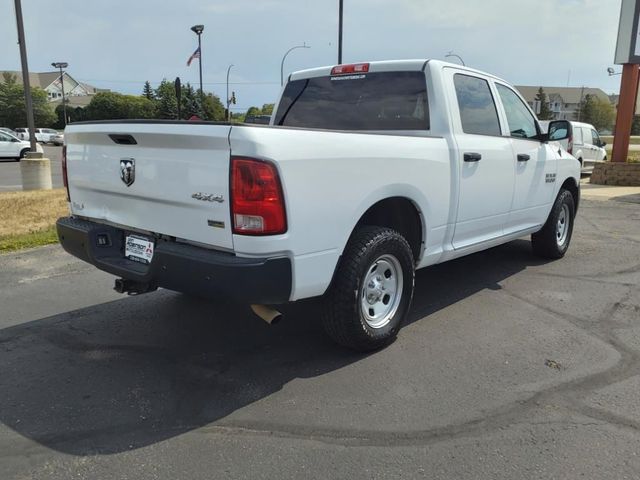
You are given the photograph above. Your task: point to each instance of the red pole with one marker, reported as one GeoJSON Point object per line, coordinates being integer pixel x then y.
{"type": "Point", "coordinates": [626, 109]}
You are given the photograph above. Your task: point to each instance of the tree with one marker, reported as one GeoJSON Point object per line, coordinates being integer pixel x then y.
{"type": "Point", "coordinates": [635, 126]}
{"type": "Point", "coordinates": [545, 111]}
{"type": "Point", "coordinates": [167, 103]}
{"type": "Point", "coordinates": [267, 109]}
{"type": "Point", "coordinates": [253, 111]}
{"type": "Point", "coordinates": [115, 106]}
{"type": "Point", "coordinates": [190, 104]}
{"type": "Point", "coordinates": [77, 114]}
{"type": "Point", "coordinates": [147, 91]}
{"type": "Point", "coordinates": [213, 108]}
{"type": "Point", "coordinates": [13, 112]}
{"type": "Point", "coordinates": [599, 113]}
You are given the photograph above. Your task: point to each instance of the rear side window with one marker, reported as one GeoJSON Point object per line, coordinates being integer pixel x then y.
{"type": "Point", "coordinates": [368, 101]}
{"type": "Point", "coordinates": [577, 136]}
{"type": "Point", "coordinates": [477, 108]}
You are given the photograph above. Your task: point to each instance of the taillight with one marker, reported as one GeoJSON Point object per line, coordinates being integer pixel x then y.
{"type": "Point", "coordinates": [351, 68]}
{"type": "Point", "coordinates": [65, 180]}
{"type": "Point", "coordinates": [570, 145]}
{"type": "Point", "coordinates": [257, 202]}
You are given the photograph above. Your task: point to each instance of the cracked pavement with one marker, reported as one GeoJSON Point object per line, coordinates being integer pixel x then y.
{"type": "Point", "coordinates": [508, 367]}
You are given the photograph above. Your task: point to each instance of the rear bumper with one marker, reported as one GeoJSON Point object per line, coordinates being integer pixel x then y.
{"type": "Point", "coordinates": [181, 267]}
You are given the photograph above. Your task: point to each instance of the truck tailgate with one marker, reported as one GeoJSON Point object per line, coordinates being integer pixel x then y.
{"type": "Point", "coordinates": [169, 178]}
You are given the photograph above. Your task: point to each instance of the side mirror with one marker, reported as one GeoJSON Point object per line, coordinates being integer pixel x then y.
{"type": "Point", "coordinates": [603, 144]}
{"type": "Point", "coordinates": [559, 130]}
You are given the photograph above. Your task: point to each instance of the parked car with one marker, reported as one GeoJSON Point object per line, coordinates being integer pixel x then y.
{"type": "Point", "coordinates": [585, 144]}
{"type": "Point", "coordinates": [57, 139]}
{"type": "Point", "coordinates": [22, 133]}
{"type": "Point", "coordinates": [13, 147]}
{"type": "Point", "coordinates": [367, 172]}
{"type": "Point", "coordinates": [43, 135]}
{"type": "Point", "coordinates": [258, 119]}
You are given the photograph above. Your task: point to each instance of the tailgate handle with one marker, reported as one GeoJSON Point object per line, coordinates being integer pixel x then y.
{"type": "Point", "coordinates": [122, 139]}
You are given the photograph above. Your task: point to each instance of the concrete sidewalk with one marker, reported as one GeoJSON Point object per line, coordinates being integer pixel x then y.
{"type": "Point", "coordinates": [609, 192]}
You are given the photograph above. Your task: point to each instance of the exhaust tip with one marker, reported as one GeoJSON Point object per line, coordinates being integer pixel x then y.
{"type": "Point", "coordinates": [268, 314]}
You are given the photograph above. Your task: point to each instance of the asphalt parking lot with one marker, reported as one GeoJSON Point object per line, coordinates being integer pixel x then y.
{"type": "Point", "coordinates": [509, 368]}
{"type": "Point", "coordinates": [11, 180]}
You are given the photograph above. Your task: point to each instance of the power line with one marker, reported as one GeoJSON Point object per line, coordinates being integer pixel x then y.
{"type": "Point", "coordinates": [158, 83]}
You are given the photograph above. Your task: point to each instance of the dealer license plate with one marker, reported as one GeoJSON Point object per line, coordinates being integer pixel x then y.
{"type": "Point", "coordinates": [138, 249]}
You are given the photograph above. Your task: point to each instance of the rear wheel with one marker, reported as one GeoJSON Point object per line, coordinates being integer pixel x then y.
{"type": "Point", "coordinates": [554, 238]}
{"type": "Point", "coordinates": [371, 291]}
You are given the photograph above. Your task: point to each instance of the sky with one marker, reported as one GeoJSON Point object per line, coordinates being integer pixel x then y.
{"type": "Point", "coordinates": [119, 44]}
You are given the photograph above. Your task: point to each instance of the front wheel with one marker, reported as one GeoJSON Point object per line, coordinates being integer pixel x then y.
{"type": "Point", "coordinates": [554, 238]}
{"type": "Point", "coordinates": [371, 291]}
{"type": "Point", "coordinates": [23, 153]}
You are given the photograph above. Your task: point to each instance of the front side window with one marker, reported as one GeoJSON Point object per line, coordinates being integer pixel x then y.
{"type": "Point", "coordinates": [519, 119]}
{"type": "Point", "coordinates": [366, 101]}
{"type": "Point", "coordinates": [595, 138]}
{"type": "Point", "coordinates": [477, 109]}
{"type": "Point", "coordinates": [4, 138]}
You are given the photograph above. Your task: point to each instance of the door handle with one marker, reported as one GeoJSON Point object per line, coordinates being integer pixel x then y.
{"type": "Point", "coordinates": [523, 157]}
{"type": "Point", "coordinates": [472, 157]}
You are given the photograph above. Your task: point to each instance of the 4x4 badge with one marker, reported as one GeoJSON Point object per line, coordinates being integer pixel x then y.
{"type": "Point", "coordinates": [128, 171]}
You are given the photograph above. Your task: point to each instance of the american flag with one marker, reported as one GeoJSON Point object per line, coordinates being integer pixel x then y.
{"type": "Point", "coordinates": [195, 54]}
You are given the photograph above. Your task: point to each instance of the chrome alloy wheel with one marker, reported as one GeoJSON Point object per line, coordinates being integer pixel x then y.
{"type": "Point", "coordinates": [562, 226]}
{"type": "Point", "coordinates": [381, 291]}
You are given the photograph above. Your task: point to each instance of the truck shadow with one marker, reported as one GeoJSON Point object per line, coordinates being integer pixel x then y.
{"type": "Point", "coordinates": [130, 373]}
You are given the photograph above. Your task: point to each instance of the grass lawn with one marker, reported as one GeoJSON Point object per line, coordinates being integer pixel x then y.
{"type": "Point", "coordinates": [633, 156]}
{"type": "Point", "coordinates": [634, 140]}
{"type": "Point", "coordinates": [27, 219]}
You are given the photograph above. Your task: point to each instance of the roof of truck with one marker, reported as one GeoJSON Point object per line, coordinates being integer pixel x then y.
{"type": "Point", "coordinates": [388, 66]}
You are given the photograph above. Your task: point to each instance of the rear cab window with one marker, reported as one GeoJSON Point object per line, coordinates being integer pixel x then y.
{"type": "Point", "coordinates": [359, 102]}
{"type": "Point", "coordinates": [478, 112]}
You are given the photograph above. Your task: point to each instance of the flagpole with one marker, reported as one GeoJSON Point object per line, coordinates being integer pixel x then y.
{"type": "Point", "coordinates": [197, 29]}
{"type": "Point", "coordinates": [200, 66]}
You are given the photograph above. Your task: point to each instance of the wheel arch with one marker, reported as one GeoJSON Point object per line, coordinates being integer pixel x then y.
{"type": "Point", "coordinates": [399, 213]}
{"type": "Point", "coordinates": [573, 186]}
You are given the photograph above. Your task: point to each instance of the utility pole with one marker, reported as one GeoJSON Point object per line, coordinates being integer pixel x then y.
{"type": "Point", "coordinates": [34, 169]}
{"type": "Point", "coordinates": [25, 78]}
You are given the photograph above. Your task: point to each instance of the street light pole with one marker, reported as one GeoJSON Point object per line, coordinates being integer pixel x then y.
{"type": "Point", "coordinates": [62, 65]}
{"type": "Point", "coordinates": [198, 29]}
{"type": "Point", "coordinates": [25, 78]}
{"type": "Point", "coordinates": [228, 99]}
{"type": "Point", "coordinates": [451, 54]}
{"type": "Point", "coordinates": [304, 45]}
{"type": "Point", "coordinates": [340, 10]}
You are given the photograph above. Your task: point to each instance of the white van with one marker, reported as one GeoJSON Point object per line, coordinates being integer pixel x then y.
{"type": "Point", "coordinates": [583, 143]}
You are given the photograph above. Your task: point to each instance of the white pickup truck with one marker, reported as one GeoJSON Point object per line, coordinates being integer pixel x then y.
{"type": "Point", "coordinates": [367, 172]}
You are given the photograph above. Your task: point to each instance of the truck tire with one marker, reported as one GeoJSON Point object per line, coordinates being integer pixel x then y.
{"type": "Point", "coordinates": [554, 238]}
{"type": "Point", "coordinates": [371, 290]}
{"type": "Point", "coordinates": [23, 153]}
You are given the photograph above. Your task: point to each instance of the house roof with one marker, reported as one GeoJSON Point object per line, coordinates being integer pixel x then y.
{"type": "Point", "coordinates": [43, 79]}
{"type": "Point", "coordinates": [74, 101]}
{"type": "Point", "coordinates": [568, 94]}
